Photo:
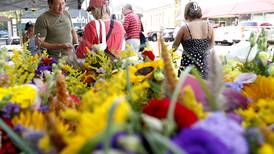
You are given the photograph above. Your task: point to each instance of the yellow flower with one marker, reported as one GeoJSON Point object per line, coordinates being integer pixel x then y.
{"type": "Point", "coordinates": [44, 143]}
{"type": "Point", "coordinates": [191, 103]}
{"type": "Point", "coordinates": [32, 120]}
{"type": "Point", "coordinates": [70, 114]}
{"type": "Point", "coordinates": [143, 71]}
{"type": "Point", "coordinates": [104, 89]}
{"type": "Point", "coordinates": [92, 123]}
{"type": "Point", "coordinates": [24, 95]}
{"type": "Point", "coordinates": [266, 149]}
{"type": "Point", "coordinates": [250, 117]}
{"type": "Point", "coordinates": [263, 88]}
{"type": "Point", "coordinates": [259, 113]}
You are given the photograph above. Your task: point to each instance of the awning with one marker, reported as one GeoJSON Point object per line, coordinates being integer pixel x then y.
{"type": "Point", "coordinates": [243, 7]}
{"type": "Point", "coordinates": [6, 5]}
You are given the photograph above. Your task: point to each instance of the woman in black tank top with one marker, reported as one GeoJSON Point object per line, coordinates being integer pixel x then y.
{"type": "Point", "coordinates": [196, 38]}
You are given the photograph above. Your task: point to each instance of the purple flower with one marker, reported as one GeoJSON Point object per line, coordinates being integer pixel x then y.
{"type": "Point", "coordinates": [227, 130]}
{"type": "Point", "coordinates": [41, 69]}
{"type": "Point", "coordinates": [235, 100]}
{"type": "Point", "coordinates": [101, 70]}
{"type": "Point", "coordinates": [199, 141]}
{"type": "Point", "coordinates": [234, 116]}
{"type": "Point", "coordinates": [237, 86]}
{"type": "Point", "coordinates": [43, 108]}
{"type": "Point", "coordinates": [10, 109]}
{"type": "Point", "coordinates": [246, 78]}
{"type": "Point", "coordinates": [19, 128]}
{"type": "Point", "coordinates": [115, 143]}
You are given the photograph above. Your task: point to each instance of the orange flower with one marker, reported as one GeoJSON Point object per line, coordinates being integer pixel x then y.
{"type": "Point", "coordinates": [263, 87]}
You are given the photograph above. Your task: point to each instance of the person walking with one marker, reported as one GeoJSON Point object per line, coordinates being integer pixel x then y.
{"type": "Point", "coordinates": [55, 31]}
{"type": "Point", "coordinates": [197, 38]}
{"type": "Point", "coordinates": [102, 30]}
{"type": "Point", "coordinates": [30, 38]}
{"type": "Point", "coordinates": [132, 26]}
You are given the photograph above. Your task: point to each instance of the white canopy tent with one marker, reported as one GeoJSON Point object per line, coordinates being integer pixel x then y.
{"type": "Point", "coordinates": [6, 5]}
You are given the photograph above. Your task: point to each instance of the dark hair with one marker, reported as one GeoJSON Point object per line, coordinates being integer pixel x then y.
{"type": "Point", "coordinates": [28, 25]}
{"type": "Point", "coordinates": [51, 1]}
{"type": "Point", "coordinates": [193, 11]}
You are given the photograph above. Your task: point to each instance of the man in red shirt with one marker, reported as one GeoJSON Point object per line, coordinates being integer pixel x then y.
{"type": "Point", "coordinates": [100, 11]}
{"type": "Point", "coordinates": [132, 26]}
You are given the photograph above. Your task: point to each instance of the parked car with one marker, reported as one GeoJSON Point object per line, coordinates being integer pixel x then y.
{"type": "Point", "coordinates": [168, 34]}
{"type": "Point", "coordinates": [152, 36]}
{"type": "Point", "coordinates": [227, 35]}
{"type": "Point", "coordinates": [247, 27]}
{"type": "Point", "coordinates": [234, 34]}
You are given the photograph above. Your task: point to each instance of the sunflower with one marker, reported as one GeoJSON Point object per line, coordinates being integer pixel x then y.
{"type": "Point", "coordinates": [92, 123]}
{"type": "Point", "coordinates": [36, 121]}
{"type": "Point", "coordinates": [141, 72]}
{"type": "Point", "coordinates": [32, 120]}
{"type": "Point", "coordinates": [263, 88]}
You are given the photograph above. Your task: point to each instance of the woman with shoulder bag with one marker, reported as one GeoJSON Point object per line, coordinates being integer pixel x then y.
{"type": "Point", "coordinates": [103, 33]}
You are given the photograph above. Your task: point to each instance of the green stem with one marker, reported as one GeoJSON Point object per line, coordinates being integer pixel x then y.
{"type": "Point", "coordinates": [170, 115]}
{"type": "Point", "coordinates": [108, 130]}
{"type": "Point", "coordinates": [15, 138]}
{"type": "Point", "coordinates": [128, 86]}
{"type": "Point", "coordinates": [211, 101]}
{"type": "Point", "coordinates": [246, 60]}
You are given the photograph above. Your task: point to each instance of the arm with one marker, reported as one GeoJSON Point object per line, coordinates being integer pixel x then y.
{"type": "Point", "coordinates": [53, 46]}
{"type": "Point", "coordinates": [88, 39]}
{"type": "Point", "coordinates": [212, 40]}
{"type": "Point", "coordinates": [74, 37]}
{"type": "Point", "coordinates": [73, 32]}
{"type": "Point", "coordinates": [25, 39]}
{"type": "Point", "coordinates": [126, 23]}
{"type": "Point", "coordinates": [178, 39]}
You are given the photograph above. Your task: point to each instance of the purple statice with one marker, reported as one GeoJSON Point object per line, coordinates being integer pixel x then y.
{"type": "Point", "coordinates": [19, 128]}
{"type": "Point", "coordinates": [45, 65]}
{"type": "Point", "coordinates": [101, 70]}
{"type": "Point", "coordinates": [246, 78]}
{"type": "Point", "coordinates": [194, 141]}
{"type": "Point", "coordinates": [241, 80]}
{"type": "Point", "coordinates": [43, 108]}
{"type": "Point", "coordinates": [10, 109]}
{"type": "Point", "coordinates": [33, 138]}
{"type": "Point", "coordinates": [227, 130]}
{"type": "Point", "coordinates": [237, 86]}
{"type": "Point", "coordinates": [234, 116]}
{"type": "Point", "coordinates": [41, 69]}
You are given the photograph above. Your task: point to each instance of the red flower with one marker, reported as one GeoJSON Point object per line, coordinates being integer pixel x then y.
{"type": "Point", "coordinates": [7, 145]}
{"type": "Point", "coordinates": [47, 61]}
{"type": "Point", "coordinates": [149, 54]}
{"type": "Point", "coordinates": [75, 99]}
{"type": "Point", "coordinates": [182, 115]}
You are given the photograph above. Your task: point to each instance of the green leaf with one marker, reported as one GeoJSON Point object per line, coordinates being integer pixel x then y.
{"type": "Point", "coordinates": [90, 144]}
{"type": "Point", "coordinates": [160, 144]}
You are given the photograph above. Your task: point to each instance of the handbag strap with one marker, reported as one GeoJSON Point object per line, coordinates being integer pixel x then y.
{"type": "Point", "coordinates": [110, 28]}
{"type": "Point", "coordinates": [97, 24]}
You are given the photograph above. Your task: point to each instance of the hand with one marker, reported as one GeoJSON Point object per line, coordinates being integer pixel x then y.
{"type": "Point", "coordinates": [67, 46]}
{"type": "Point", "coordinates": [38, 41]}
